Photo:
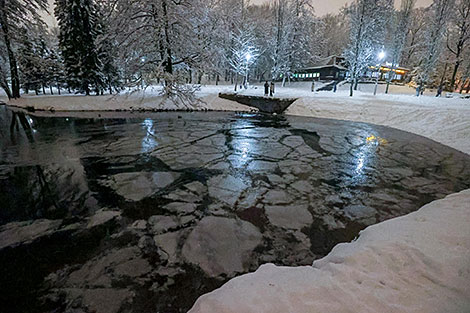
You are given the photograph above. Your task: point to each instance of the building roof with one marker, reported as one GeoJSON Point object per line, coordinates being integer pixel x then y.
{"type": "Point", "coordinates": [331, 61]}
{"type": "Point", "coordinates": [325, 66]}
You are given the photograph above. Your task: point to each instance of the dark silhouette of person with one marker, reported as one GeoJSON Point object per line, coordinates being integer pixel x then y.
{"type": "Point", "coordinates": [266, 88]}
{"type": "Point", "coordinates": [439, 91]}
{"type": "Point", "coordinates": [335, 86]}
{"type": "Point", "coordinates": [271, 89]}
{"type": "Point", "coordinates": [313, 86]}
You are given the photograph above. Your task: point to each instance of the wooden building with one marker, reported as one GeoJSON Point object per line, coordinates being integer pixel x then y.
{"type": "Point", "coordinates": [330, 68]}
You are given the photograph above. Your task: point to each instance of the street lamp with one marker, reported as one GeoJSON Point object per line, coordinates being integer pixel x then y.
{"type": "Point", "coordinates": [142, 60]}
{"type": "Point", "coordinates": [248, 58]}
{"type": "Point", "coordinates": [381, 56]}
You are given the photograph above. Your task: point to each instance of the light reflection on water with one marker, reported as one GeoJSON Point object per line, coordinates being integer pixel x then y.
{"type": "Point", "coordinates": [149, 141]}
{"type": "Point", "coordinates": [366, 155]}
{"type": "Point", "coordinates": [242, 144]}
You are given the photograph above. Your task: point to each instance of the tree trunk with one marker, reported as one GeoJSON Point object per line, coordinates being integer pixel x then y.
{"type": "Point", "coordinates": [15, 78]}
{"type": "Point", "coordinates": [43, 89]}
{"type": "Point", "coordinates": [454, 74]}
{"type": "Point", "coordinates": [6, 88]}
{"type": "Point", "coordinates": [236, 81]}
{"type": "Point", "coordinates": [169, 62]}
{"type": "Point", "coordinates": [58, 89]}
{"type": "Point", "coordinates": [444, 75]}
{"type": "Point", "coordinates": [390, 75]}
{"type": "Point", "coordinates": [50, 88]}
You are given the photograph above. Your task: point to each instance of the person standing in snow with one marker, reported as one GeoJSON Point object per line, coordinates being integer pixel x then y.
{"type": "Point", "coordinates": [335, 86]}
{"type": "Point", "coordinates": [271, 89]}
{"type": "Point", "coordinates": [418, 89]}
{"type": "Point", "coordinates": [313, 85]}
{"type": "Point", "coordinates": [439, 91]}
{"type": "Point", "coordinates": [266, 89]}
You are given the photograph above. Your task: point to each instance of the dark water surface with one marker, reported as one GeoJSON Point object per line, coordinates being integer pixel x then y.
{"type": "Point", "coordinates": [146, 212]}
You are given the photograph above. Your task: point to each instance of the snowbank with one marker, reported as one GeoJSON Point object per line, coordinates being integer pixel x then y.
{"type": "Point", "coordinates": [416, 263]}
{"type": "Point", "coordinates": [444, 120]}
{"type": "Point", "coordinates": [148, 99]}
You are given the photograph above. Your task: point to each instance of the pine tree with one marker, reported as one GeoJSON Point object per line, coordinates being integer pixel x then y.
{"type": "Point", "coordinates": [78, 25]}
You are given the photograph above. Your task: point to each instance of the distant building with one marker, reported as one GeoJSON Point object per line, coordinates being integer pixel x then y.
{"type": "Point", "coordinates": [399, 74]}
{"type": "Point", "coordinates": [330, 68]}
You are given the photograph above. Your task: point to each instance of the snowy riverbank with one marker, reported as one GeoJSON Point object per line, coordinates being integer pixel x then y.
{"type": "Point", "coordinates": [416, 263]}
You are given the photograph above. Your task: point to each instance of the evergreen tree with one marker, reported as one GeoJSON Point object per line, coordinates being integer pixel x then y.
{"type": "Point", "coordinates": [29, 65]}
{"type": "Point", "coordinates": [79, 28]}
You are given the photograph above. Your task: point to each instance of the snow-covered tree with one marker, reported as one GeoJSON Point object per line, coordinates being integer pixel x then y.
{"type": "Point", "coordinates": [335, 34]}
{"type": "Point", "coordinates": [401, 24]}
{"type": "Point", "coordinates": [79, 28]}
{"type": "Point", "coordinates": [416, 37]}
{"type": "Point", "coordinates": [458, 35]}
{"type": "Point", "coordinates": [244, 54]}
{"type": "Point", "coordinates": [16, 15]}
{"type": "Point", "coordinates": [368, 19]}
{"type": "Point", "coordinates": [441, 10]}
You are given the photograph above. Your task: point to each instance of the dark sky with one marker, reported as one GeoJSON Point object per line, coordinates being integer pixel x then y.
{"type": "Point", "coordinates": [332, 6]}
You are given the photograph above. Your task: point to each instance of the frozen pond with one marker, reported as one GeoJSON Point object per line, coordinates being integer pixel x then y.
{"type": "Point", "coordinates": [146, 212]}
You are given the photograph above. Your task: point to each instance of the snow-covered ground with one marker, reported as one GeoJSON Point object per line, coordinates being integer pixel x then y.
{"type": "Point", "coordinates": [416, 263]}
{"type": "Point", "coordinates": [147, 99]}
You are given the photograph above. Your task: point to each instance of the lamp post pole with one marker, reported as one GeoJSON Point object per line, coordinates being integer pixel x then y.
{"type": "Point", "coordinates": [381, 57]}
{"type": "Point", "coordinates": [142, 60]}
{"type": "Point", "coordinates": [248, 57]}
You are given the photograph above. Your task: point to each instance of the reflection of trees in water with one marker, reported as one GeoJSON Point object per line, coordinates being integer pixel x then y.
{"type": "Point", "coordinates": [18, 118]}
{"type": "Point", "coordinates": [31, 192]}
{"type": "Point", "coordinates": [36, 191]}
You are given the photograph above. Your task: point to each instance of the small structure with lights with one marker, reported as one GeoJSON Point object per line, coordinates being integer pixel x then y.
{"type": "Point", "coordinates": [330, 68]}
{"type": "Point", "coordinates": [399, 73]}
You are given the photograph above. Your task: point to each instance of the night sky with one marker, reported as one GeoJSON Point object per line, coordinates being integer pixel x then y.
{"type": "Point", "coordinates": [332, 6]}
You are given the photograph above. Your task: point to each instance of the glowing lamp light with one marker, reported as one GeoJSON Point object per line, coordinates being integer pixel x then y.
{"type": "Point", "coordinates": [381, 55]}
{"type": "Point", "coordinates": [248, 56]}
